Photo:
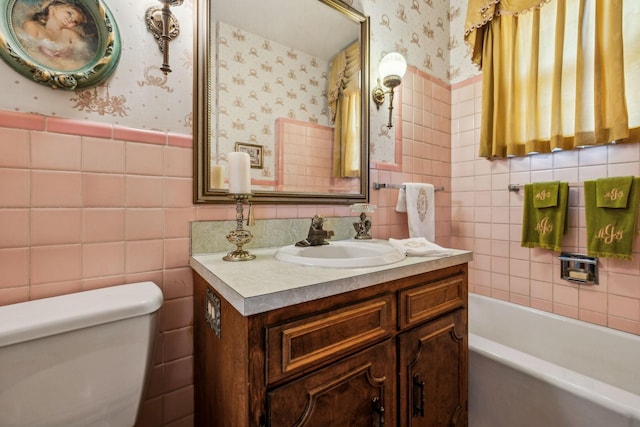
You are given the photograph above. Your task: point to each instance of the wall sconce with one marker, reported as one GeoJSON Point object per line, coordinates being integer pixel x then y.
{"type": "Point", "coordinates": [391, 71]}
{"type": "Point", "coordinates": [165, 27]}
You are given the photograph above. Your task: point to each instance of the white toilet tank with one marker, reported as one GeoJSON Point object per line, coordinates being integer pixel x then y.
{"type": "Point", "coordinates": [79, 359]}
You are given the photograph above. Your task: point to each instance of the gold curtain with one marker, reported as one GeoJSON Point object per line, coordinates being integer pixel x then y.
{"type": "Point", "coordinates": [344, 103]}
{"type": "Point", "coordinates": [555, 74]}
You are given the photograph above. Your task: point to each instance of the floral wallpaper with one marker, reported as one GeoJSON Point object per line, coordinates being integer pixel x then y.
{"type": "Point", "coordinates": [428, 32]}
{"type": "Point", "coordinates": [137, 94]}
{"type": "Point", "coordinates": [260, 81]}
{"type": "Point", "coordinates": [430, 35]}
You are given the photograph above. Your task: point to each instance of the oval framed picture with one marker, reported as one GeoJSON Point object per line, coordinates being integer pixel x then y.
{"type": "Point", "coordinates": [66, 44]}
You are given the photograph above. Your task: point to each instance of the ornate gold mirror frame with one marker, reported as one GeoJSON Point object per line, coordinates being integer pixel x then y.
{"type": "Point", "coordinates": [204, 132]}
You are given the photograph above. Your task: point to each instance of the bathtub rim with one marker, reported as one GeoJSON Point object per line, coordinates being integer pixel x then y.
{"type": "Point", "coordinates": [627, 403]}
{"type": "Point", "coordinates": [599, 392]}
{"type": "Point", "coordinates": [615, 332]}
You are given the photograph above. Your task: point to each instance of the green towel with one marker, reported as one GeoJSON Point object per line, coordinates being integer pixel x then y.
{"type": "Point", "coordinates": [613, 192]}
{"type": "Point", "coordinates": [545, 194]}
{"type": "Point", "coordinates": [610, 231]}
{"type": "Point", "coordinates": [544, 227]}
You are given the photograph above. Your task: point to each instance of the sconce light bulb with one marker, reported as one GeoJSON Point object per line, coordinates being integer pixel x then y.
{"type": "Point", "coordinates": [392, 68]}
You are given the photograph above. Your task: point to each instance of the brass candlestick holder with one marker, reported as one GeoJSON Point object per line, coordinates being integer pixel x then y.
{"type": "Point", "coordinates": [240, 236]}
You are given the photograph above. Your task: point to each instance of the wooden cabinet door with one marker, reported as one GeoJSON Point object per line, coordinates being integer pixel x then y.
{"type": "Point", "coordinates": [351, 392]}
{"type": "Point", "coordinates": [433, 373]}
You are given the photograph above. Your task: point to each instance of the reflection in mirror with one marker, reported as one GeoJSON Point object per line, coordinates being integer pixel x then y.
{"type": "Point", "coordinates": [282, 80]}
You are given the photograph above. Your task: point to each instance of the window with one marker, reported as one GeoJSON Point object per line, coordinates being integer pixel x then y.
{"type": "Point", "coordinates": [556, 75]}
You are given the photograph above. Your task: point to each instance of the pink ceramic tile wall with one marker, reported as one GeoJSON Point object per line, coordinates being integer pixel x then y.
{"type": "Point", "coordinates": [486, 218]}
{"type": "Point", "coordinates": [86, 205]}
{"type": "Point", "coordinates": [422, 140]}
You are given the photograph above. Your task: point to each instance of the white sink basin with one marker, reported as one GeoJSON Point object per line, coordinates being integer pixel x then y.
{"type": "Point", "coordinates": [341, 254]}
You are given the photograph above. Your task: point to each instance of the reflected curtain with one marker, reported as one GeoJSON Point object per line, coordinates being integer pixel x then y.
{"type": "Point", "coordinates": [344, 104]}
{"type": "Point", "coordinates": [555, 74]}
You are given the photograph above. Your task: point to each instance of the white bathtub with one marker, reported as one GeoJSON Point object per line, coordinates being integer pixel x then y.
{"type": "Point", "coordinates": [532, 368]}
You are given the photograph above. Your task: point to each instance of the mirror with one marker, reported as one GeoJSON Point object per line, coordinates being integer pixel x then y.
{"type": "Point", "coordinates": [266, 82]}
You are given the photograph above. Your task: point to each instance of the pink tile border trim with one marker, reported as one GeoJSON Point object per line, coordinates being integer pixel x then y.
{"type": "Point", "coordinates": [284, 120]}
{"type": "Point", "coordinates": [139, 135]}
{"type": "Point", "coordinates": [467, 82]}
{"type": "Point", "coordinates": [79, 127]}
{"type": "Point", "coordinates": [10, 119]}
{"type": "Point", "coordinates": [28, 121]}
{"type": "Point", "coordinates": [180, 140]}
{"type": "Point", "coordinates": [265, 182]}
{"type": "Point", "coordinates": [386, 166]}
{"type": "Point", "coordinates": [424, 75]}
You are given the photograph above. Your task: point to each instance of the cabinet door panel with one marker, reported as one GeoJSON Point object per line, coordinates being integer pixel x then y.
{"type": "Point", "coordinates": [433, 373]}
{"type": "Point", "coordinates": [342, 394]}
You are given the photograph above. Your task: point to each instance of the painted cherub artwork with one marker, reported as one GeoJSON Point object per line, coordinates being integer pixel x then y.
{"type": "Point", "coordinates": [58, 34]}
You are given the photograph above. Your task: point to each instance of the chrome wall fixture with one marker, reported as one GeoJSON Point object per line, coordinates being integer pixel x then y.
{"type": "Point", "coordinates": [391, 71]}
{"type": "Point", "coordinates": [165, 27]}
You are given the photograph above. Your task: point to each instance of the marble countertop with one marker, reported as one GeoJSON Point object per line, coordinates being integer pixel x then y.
{"type": "Point", "coordinates": [265, 283]}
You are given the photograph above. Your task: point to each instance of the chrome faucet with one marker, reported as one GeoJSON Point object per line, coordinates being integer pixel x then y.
{"type": "Point", "coordinates": [316, 235]}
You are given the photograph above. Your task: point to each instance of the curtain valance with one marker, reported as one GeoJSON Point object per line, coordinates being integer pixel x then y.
{"type": "Point", "coordinates": [481, 12]}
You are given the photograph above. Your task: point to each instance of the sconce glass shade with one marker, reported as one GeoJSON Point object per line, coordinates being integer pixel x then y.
{"type": "Point", "coordinates": [392, 69]}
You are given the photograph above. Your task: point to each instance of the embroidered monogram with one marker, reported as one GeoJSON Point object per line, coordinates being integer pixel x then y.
{"type": "Point", "coordinates": [614, 194]}
{"type": "Point", "coordinates": [422, 204]}
{"type": "Point", "coordinates": [415, 244]}
{"type": "Point", "coordinates": [609, 234]}
{"type": "Point", "coordinates": [544, 226]}
{"type": "Point", "coordinates": [543, 195]}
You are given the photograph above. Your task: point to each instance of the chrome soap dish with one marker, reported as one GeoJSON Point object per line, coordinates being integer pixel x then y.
{"type": "Point", "coordinates": [579, 269]}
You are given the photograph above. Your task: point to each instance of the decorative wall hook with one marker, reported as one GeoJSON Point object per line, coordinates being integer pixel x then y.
{"type": "Point", "coordinates": [165, 27]}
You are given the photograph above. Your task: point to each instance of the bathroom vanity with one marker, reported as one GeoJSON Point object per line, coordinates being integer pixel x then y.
{"type": "Point", "coordinates": [279, 344]}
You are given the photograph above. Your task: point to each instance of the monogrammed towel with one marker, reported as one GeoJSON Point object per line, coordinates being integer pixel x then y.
{"type": "Point", "coordinates": [419, 246]}
{"type": "Point", "coordinates": [610, 231]}
{"type": "Point", "coordinates": [545, 194]}
{"type": "Point", "coordinates": [613, 192]}
{"type": "Point", "coordinates": [544, 227]}
{"type": "Point", "coordinates": [418, 201]}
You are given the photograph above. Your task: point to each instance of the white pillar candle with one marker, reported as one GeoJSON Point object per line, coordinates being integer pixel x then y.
{"type": "Point", "coordinates": [239, 173]}
{"type": "Point", "coordinates": [217, 177]}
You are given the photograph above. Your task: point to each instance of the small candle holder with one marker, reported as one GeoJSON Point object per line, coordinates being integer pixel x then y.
{"type": "Point", "coordinates": [239, 236]}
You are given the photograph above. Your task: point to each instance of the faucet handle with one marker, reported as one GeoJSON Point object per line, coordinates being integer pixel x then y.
{"type": "Point", "coordinates": [317, 234]}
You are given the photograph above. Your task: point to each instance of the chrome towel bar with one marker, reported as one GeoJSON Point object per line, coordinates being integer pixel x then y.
{"type": "Point", "coordinates": [516, 187]}
{"type": "Point", "coordinates": [378, 186]}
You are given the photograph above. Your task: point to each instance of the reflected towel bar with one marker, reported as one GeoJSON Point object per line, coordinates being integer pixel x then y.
{"type": "Point", "coordinates": [378, 186]}
{"type": "Point", "coordinates": [516, 187]}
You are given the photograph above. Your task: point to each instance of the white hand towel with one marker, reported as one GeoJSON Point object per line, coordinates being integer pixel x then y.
{"type": "Point", "coordinates": [401, 205]}
{"type": "Point", "coordinates": [419, 246]}
{"type": "Point", "coordinates": [419, 204]}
